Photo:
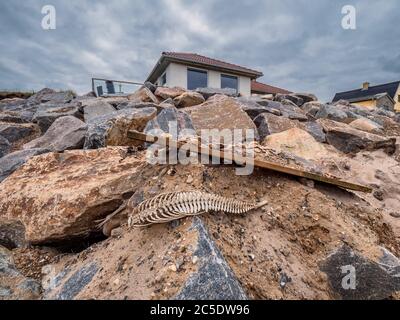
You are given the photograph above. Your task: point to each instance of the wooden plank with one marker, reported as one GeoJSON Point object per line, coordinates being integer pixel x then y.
{"type": "Point", "coordinates": [170, 143]}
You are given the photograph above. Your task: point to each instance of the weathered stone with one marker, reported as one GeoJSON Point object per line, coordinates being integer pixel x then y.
{"type": "Point", "coordinates": [96, 107]}
{"type": "Point", "coordinates": [221, 112]}
{"type": "Point", "coordinates": [4, 146]}
{"type": "Point", "coordinates": [63, 194]}
{"type": "Point", "coordinates": [311, 108]}
{"type": "Point", "coordinates": [209, 92]}
{"type": "Point", "coordinates": [306, 97]}
{"type": "Point", "coordinates": [143, 95]}
{"type": "Point", "coordinates": [366, 125]}
{"type": "Point", "coordinates": [77, 282]}
{"type": "Point", "coordinates": [214, 279]}
{"type": "Point", "coordinates": [14, 132]}
{"type": "Point", "coordinates": [11, 103]}
{"type": "Point", "coordinates": [47, 113]}
{"type": "Point", "coordinates": [166, 93]}
{"type": "Point", "coordinates": [37, 97]}
{"type": "Point", "coordinates": [112, 129]}
{"type": "Point", "coordinates": [12, 235]}
{"type": "Point", "coordinates": [176, 123]}
{"type": "Point", "coordinates": [291, 97]}
{"type": "Point", "coordinates": [66, 133]}
{"type": "Point", "coordinates": [287, 108]}
{"type": "Point", "coordinates": [13, 161]}
{"type": "Point", "coordinates": [332, 113]}
{"type": "Point", "coordinates": [268, 124]}
{"type": "Point", "coordinates": [253, 109]}
{"type": "Point", "coordinates": [297, 142]}
{"type": "Point", "coordinates": [189, 99]}
{"type": "Point", "coordinates": [349, 140]}
{"type": "Point", "coordinates": [47, 95]}
{"type": "Point", "coordinates": [139, 105]}
{"type": "Point", "coordinates": [13, 285]}
{"type": "Point", "coordinates": [114, 101]}
{"type": "Point", "coordinates": [316, 130]}
{"type": "Point", "coordinates": [353, 277]}
{"type": "Point", "coordinates": [12, 117]}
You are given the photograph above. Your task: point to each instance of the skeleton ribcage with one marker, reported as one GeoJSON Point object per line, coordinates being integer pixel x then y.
{"type": "Point", "coordinates": [172, 206]}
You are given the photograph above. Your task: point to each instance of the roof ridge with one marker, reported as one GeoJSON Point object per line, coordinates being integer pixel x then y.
{"type": "Point", "coordinates": [217, 60]}
{"type": "Point", "coordinates": [378, 85]}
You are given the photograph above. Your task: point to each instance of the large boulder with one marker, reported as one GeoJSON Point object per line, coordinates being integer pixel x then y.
{"type": "Point", "coordinates": [5, 146]}
{"type": "Point", "coordinates": [47, 113]}
{"type": "Point", "coordinates": [297, 142]}
{"type": "Point", "coordinates": [12, 161]}
{"type": "Point", "coordinates": [268, 124]}
{"type": "Point", "coordinates": [221, 112]}
{"type": "Point", "coordinates": [14, 285]}
{"type": "Point", "coordinates": [311, 108]}
{"type": "Point", "coordinates": [169, 93]}
{"type": "Point", "coordinates": [96, 107]}
{"type": "Point", "coordinates": [143, 95]}
{"type": "Point", "coordinates": [188, 99]}
{"type": "Point", "coordinates": [332, 113]}
{"type": "Point", "coordinates": [366, 125]}
{"type": "Point", "coordinates": [112, 129]}
{"type": "Point", "coordinates": [48, 95]}
{"type": "Point", "coordinates": [291, 97]}
{"type": "Point", "coordinates": [254, 109]}
{"type": "Point", "coordinates": [306, 97]}
{"type": "Point", "coordinates": [65, 133]}
{"type": "Point", "coordinates": [350, 140]}
{"type": "Point", "coordinates": [173, 122]}
{"type": "Point", "coordinates": [15, 132]}
{"type": "Point", "coordinates": [288, 109]}
{"type": "Point", "coordinates": [12, 117]}
{"type": "Point", "coordinates": [209, 92]}
{"type": "Point", "coordinates": [354, 277]}
{"type": "Point", "coordinates": [139, 105]}
{"type": "Point", "coordinates": [59, 196]}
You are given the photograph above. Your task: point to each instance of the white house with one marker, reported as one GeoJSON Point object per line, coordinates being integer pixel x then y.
{"type": "Point", "coordinates": [191, 71]}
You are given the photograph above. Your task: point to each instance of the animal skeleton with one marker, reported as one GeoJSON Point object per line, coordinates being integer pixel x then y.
{"type": "Point", "coordinates": [177, 205]}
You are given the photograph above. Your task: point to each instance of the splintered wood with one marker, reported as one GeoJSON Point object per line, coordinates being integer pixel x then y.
{"type": "Point", "coordinates": [241, 160]}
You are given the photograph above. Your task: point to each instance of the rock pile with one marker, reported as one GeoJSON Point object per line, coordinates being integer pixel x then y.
{"type": "Point", "coordinates": [67, 163]}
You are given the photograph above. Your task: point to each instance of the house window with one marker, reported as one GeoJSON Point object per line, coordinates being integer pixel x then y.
{"type": "Point", "coordinates": [196, 79]}
{"type": "Point", "coordinates": [398, 99]}
{"type": "Point", "coordinates": [230, 82]}
{"type": "Point", "coordinates": [163, 80]}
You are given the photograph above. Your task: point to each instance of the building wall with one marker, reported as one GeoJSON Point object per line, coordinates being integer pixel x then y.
{"type": "Point", "coordinates": [177, 77]}
{"type": "Point", "coordinates": [370, 104]}
{"type": "Point", "coordinates": [396, 99]}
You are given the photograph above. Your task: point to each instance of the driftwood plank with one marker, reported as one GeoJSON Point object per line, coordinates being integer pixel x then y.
{"type": "Point", "coordinates": [171, 143]}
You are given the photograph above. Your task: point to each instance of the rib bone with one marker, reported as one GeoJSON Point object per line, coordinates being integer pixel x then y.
{"type": "Point", "coordinates": [167, 207]}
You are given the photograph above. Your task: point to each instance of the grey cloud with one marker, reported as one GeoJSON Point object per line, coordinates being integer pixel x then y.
{"type": "Point", "coordinates": [298, 44]}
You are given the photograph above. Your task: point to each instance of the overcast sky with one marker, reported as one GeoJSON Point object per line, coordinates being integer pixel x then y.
{"type": "Point", "coordinates": [299, 45]}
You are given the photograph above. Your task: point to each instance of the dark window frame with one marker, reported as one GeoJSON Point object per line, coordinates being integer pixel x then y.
{"type": "Point", "coordinates": [202, 71]}
{"type": "Point", "coordinates": [231, 77]}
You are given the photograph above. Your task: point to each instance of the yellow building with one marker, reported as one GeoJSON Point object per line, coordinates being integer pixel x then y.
{"type": "Point", "coordinates": [384, 95]}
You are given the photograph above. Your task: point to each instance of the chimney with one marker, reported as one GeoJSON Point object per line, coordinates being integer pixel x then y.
{"type": "Point", "coordinates": [365, 86]}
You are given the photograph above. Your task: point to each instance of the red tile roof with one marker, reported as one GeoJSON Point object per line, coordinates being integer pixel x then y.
{"type": "Point", "coordinates": [196, 58]}
{"type": "Point", "coordinates": [259, 87]}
